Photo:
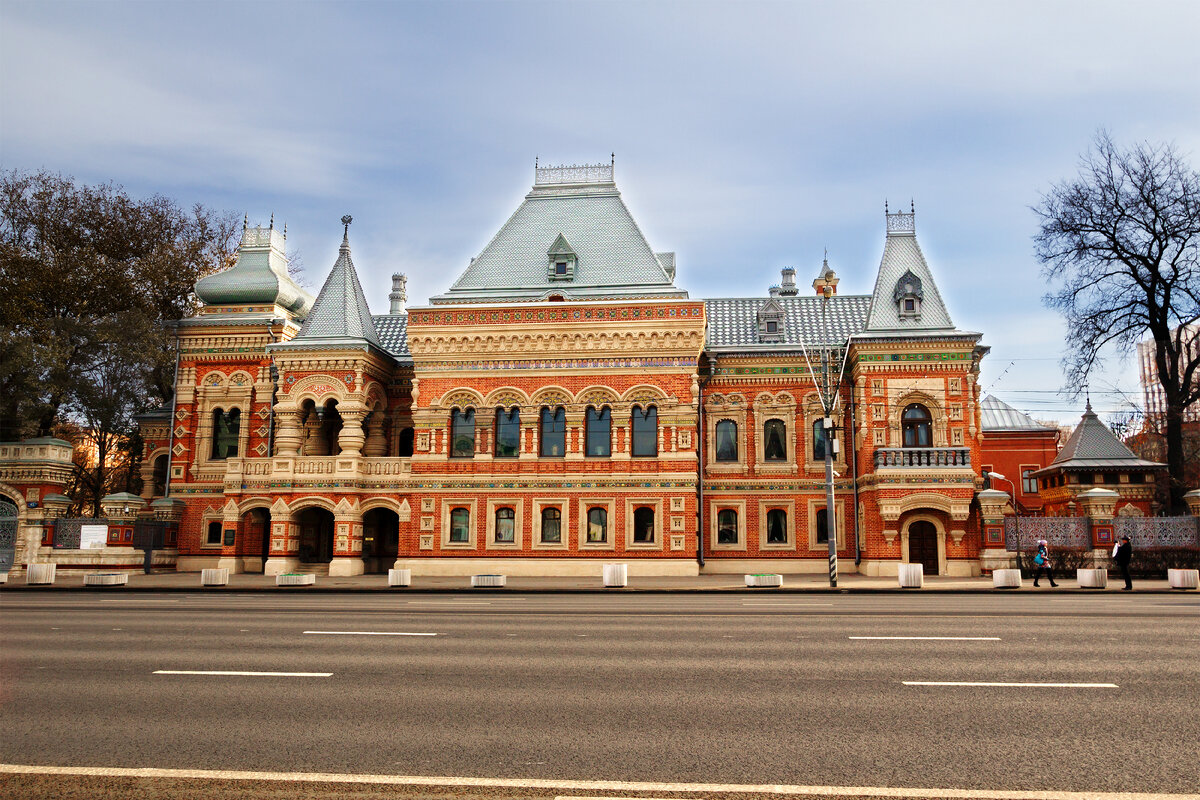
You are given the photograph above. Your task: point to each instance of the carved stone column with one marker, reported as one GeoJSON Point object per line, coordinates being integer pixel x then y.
{"type": "Point", "coordinates": [347, 543]}
{"type": "Point", "coordinates": [315, 443]}
{"type": "Point", "coordinates": [289, 436]}
{"type": "Point", "coordinates": [1099, 506]}
{"type": "Point", "coordinates": [283, 555]}
{"type": "Point", "coordinates": [994, 505]}
{"type": "Point", "coordinates": [351, 437]}
{"type": "Point", "coordinates": [376, 445]}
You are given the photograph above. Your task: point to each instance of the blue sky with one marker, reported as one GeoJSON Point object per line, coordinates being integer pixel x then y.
{"type": "Point", "coordinates": [748, 136]}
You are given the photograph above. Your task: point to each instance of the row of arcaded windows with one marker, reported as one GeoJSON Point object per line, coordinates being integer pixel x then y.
{"type": "Point", "coordinates": [552, 432]}
{"type": "Point", "coordinates": [728, 531]}
{"type": "Point", "coordinates": [916, 424]}
{"type": "Point", "coordinates": [551, 528]}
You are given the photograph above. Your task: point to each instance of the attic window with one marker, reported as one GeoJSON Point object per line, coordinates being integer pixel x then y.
{"type": "Point", "coordinates": [770, 322]}
{"type": "Point", "coordinates": [772, 326]}
{"type": "Point", "coordinates": [908, 295]}
{"type": "Point", "coordinates": [561, 260]}
{"type": "Point", "coordinates": [560, 268]}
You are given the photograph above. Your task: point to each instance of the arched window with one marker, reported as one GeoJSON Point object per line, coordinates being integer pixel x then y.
{"type": "Point", "coordinates": [551, 526]}
{"type": "Point", "coordinates": [553, 435]}
{"type": "Point", "coordinates": [160, 475]}
{"type": "Point", "coordinates": [462, 433]}
{"type": "Point", "coordinates": [506, 526]}
{"type": "Point", "coordinates": [405, 447]}
{"type": "Point", "coordinates": [818, 429]}
{"type": "Point", "coordinates": [599, 431]}
{"type": "Point", "coordinates": [643, 525]}
{"type": "Point", "coordinates": [460, 525]}
{"type": "Point", "coordinates": [777, 526]}
{"type": "Point", "coordinates": [226, 428]}
{"type": "Point", "coordinates": [645, 431]}
{"type": "Point", "coordinates": [727, 445]}
{"type": "Point", "coordinates": [508, 432]}
{"type": "Point", "coordinates": [822, 526]}
{"type": "Point", "coordinates": [727, 527]}
{"type": "Point", "coordinates": [597, 528]}
{"type": "Point", "coordinates": [917, 425]}
{"type": "Point", "coordinates": [774, 440]}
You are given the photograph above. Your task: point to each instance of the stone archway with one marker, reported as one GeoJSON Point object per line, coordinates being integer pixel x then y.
{"type": "Point", "coordinates": [381, 539]}
{"type": "Point", "coordinates": [316, 535]}
{"type": "Point", "coordinates": [256, 538]}
{"type": "Point", "coordinates": [923, 541]}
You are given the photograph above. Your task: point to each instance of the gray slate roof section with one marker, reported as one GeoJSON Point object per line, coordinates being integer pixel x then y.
{"type": "Point", "coordinates": [259, 276]}
{"type": "Point", "coordinates": [1093, 445]}
{"type": "Point", "coordinates": [614, 259]}
{"type": "Point", "coordinates": [340, 312]}
{"type": "Point", "coordinates": [901, 253]}
{"type": "Point", "coordinates": [998, 416]}
{"type": "Point", "coordinates": [733, 322]}
{"type": "Point", "coordinates": [393, 335]}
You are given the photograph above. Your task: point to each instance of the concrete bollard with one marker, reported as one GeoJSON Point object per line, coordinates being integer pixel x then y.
{"type": "Point", "coordinates": [1183, 578]}
{"type": "Point", "coordinates": [39, 574]}
{"type": "Point", "coordinates": [214, 577]}
{"type": "Point", "coordinates": [292, 579]}
{"type": "Point", "coordinates": [911, 576]}
{"type": "Point", "coordinates": [616, 576]}
{"type": "Point", "coordinates": [106, 579]}
{"type": "Point", "coordinates": [488, 581]}
{"type": "Point", "coordinates": [764, 580]}
{"type": "Point", "coordinates": [1092, 578]}
{"type": "Point", "coordinates": [1006, 579]}
{"type": "Point", "coordinates": [399, 577]}
{"type": "Point", "coordinates": [3, 577]}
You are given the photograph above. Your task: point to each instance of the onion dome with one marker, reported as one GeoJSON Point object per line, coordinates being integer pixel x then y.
{"type": "Point", "coordinates": [259, 277]}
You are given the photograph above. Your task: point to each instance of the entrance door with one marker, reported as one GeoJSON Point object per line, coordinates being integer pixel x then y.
{"type": "Point", "coordinates": [8, 534]}
{"type": "Point", "coordinates": [316, 536]}
{"type": "Point", "coordinates": [922, 546]}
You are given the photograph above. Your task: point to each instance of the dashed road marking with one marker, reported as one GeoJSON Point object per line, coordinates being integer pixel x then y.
{"type": "Point", "coordinates": [1015, 684]}
{"type": "Point", "coordinates": [368, 633]}
{"type": "Point", "coordinates": [930, 638]}
{"type": "Point", "coordinates": [243, 673]}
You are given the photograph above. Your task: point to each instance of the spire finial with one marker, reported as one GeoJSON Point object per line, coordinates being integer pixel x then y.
{"type": "Point", "coordinates": [346, 220]}
{"type": "Point", "coordinates": [535, 163]}
{"type": "Point", "coordinates": [912, 205]}
{"type": "Point", "coordinates": [245, 223]}
{"type": "Point", "coordinates": [272, 220]}
{"type": "Point", "coordinates": [825, 260]}
{"type": "Point", "coordinates": [612, 162]}
{"type": "Point", "coordinates": [285, 229]}
{"type": "Point", "coordinates": [1087, 393]}
{"type": "Point", "coordinates": [885, 206]}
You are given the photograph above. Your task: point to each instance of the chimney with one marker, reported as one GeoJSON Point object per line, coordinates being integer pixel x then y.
{"type": "Point", "coordinates": [788, 289]}
{"type": "Point", "coordinates": [398, 295]}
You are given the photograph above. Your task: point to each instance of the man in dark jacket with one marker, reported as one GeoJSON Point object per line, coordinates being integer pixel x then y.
{"type": "Point", "coordinates": [1122, 556]}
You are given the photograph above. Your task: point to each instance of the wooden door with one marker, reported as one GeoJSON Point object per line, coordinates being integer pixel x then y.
{"type": "Point", "coordinates": [922, 546]}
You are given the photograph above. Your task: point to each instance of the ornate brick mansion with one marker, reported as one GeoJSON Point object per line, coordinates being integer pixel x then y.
{"type": "Point", "coordinates": [564, 404]}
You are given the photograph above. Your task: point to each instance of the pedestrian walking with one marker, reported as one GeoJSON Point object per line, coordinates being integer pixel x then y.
{"type": "Point", "coordinates": [1042, 561]}
{"type": "Point", "coordinates": [1122, 554]}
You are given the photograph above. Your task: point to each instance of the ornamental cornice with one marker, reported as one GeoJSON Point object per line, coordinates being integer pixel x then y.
{"type": "Point", "coordinates": [509, 345]}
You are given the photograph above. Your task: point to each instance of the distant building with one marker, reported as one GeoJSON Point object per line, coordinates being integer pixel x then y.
{"type": "Point", "coordinates": [1152, 392]}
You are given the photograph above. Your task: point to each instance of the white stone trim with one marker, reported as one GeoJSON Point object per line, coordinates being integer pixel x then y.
{"type": "Point", "coordinates": [739, 506]}
{"type": "Point", "coordinates": [472, 506]}
{"type": "Point", "coordinates": [789, 506]}
{"type": "Point", "coordinates": [518, 507]}
{"type": "Point", "coordinates": [609, 505]}
{"type": "Point", "coordinates": [631, 506]}
{"type": "Point", "coordinates": [564, 507]}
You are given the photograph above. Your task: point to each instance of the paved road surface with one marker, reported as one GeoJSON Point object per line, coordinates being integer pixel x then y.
{"type": "Point", "coordinates": [731, 690]}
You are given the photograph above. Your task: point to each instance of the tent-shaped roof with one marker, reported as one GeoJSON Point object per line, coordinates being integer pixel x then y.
{"type": "Point", "coordinates": [1092, 445]}
{"type": "Point", "coordinates": [901, 255]}
{"type": "Point", "coordinates": [582, 207]}
{"type": "Point", "coordinates": [340, 316]}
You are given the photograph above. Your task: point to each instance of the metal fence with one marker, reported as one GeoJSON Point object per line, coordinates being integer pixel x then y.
{"type": "Point", "coordinates": [1159, 532]}
{"type": "Point", "coordinates": [1071, 532]}
{"type": "Point", "coordinates": [66, 530]}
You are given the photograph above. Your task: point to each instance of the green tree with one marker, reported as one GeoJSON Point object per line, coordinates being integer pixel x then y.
{"type": "Point", "coordinates": [1120, 245]}
{"type": "Point", "coordinates": [91, 276]}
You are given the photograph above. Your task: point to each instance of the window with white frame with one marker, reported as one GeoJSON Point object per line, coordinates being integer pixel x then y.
{"type": "Point", "coordinates": [551, 526]}
{"type": "Point", "coordinates": [506, 526]}
{"type": "Point", "coordinates": [643, 525]}
{"type": "Point", "coordinates": [727, 526]}
{"type": "Point", "coordinates": [460, 525]}
{"type": "Point", "coordinates": [727, 444]}
{"type": "Point", "coordinates": [597, 525]}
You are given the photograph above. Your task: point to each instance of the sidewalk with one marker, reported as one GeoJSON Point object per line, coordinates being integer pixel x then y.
{"type": "Point", "coordinates": [792, 583]}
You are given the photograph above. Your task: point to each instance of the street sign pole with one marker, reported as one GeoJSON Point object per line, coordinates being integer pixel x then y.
{"type": "Point", "coordinates": [827, 427]}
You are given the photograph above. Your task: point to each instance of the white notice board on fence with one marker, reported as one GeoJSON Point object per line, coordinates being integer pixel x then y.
{"type": "Point", "coordinates": [92, 536]}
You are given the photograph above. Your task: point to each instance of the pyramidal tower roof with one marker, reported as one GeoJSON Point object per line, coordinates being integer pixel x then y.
{"type": "Point", "coordinates": [903, 271]}
{"type": "Point", "coordinates": [1093, 445]}
{"type": "Point", "coordinates": [258, 277]}
{"type": "Point", "coordinates": [340, 314]}
{"type": "Point", "coordinates": [579, 207]}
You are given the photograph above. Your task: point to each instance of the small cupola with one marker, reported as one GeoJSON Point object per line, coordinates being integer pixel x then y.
{"type": "Point", "coordinates": [399, 294]}
{"type": "Point", "coordinates": [908, 296]}
{"type": "Point", "coordinates": [561, 260]}
{"type": "Point", "coordinates": [825, 284]}
{"type": "Point", "coordinates": [770, 320]}
{"type": "Point", "coordinates": [788, 287]}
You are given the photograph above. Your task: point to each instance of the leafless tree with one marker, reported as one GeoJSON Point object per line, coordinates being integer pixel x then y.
{"type": "Point", "coordinates": [1120, 246]}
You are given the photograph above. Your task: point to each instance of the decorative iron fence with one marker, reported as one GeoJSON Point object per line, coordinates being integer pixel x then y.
{"type": "Point", "coordinates": [1073, 532]}
{"type": "Point", "coordinates": [67, 531]}
{"type": "Point", "coordinates": [1158, 532]}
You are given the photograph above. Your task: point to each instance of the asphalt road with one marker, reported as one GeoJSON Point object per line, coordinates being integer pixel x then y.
{"type": "Point", "coordinates": [728, 691]}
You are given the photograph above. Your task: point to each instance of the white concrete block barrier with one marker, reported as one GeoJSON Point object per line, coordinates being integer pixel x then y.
{"type": "Point", "coordinates": [911, 576]}
{"type": "Point", "coordinates": [1092, 578]}
{"type": "Point", "coordinates": [399, 577]}
{"type": "Point", "coordinates": [3, 577]}
{"type": "Point", "coordinates": [292, 579]}
{"type": "Point", "coordinates": [764, 580]}
{"type": "Point", "coordinates": [1183, 578]}
{"type": "Point", "coordinates": [39, 574]}
{"type": "Point", "coordinates": [616, 576]}
{"type": "Point", "coordinates": [488, 581]}
{"type": "Point", "coordinates": [106, 579]}
{"type": "Point", "coordinates": [1006, 579]}
{"type": "Point", "coordinates": [214, 577]}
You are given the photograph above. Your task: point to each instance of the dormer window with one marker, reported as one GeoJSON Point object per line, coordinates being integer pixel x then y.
{"type": "Point", "coordinates": [562, 260]}
{"type": "Point", "coordinates": [770, 322]}
{"type": "Point", "coordinates": [908, 295]}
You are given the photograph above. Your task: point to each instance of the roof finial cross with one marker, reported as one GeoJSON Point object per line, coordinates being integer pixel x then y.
{"type": "Point", "coordinates": [346, 220]}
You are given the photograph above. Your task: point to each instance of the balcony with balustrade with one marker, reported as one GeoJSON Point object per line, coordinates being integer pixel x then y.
{"type": "Point", "coordinates": [922, 458]}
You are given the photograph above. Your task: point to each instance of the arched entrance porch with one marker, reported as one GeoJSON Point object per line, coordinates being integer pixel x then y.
{"type": "Point", "coordinates": [923, 541]}
{"type": "Point", "coordinates": [256, 539]}
{"type": "Point", "coordinates": [381, 539]}
{"type": "Point", "coordinates": [316, 536]}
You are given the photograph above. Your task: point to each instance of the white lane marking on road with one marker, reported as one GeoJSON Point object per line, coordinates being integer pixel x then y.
{"type": "Point", "coordinates": [580, 785]}
{"type": "Point", "coordinates": [141, 600]}
{"type": "Point", "coordinates": [240, 673]}
{"type": "Point", "coordinates": [930, 638]}
{"type": "Point", "coordinates": [1014, 684]}
{"type": "Point", "coordinates": [768, 603]}
{"type": "Point", "coordinates": [446, 603]}
{"type": "Point", "coordinates": [369, 633]}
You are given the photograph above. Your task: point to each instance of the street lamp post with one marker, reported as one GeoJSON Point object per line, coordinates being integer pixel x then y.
{"type": "Point", "coordinates": [1016, 515]}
